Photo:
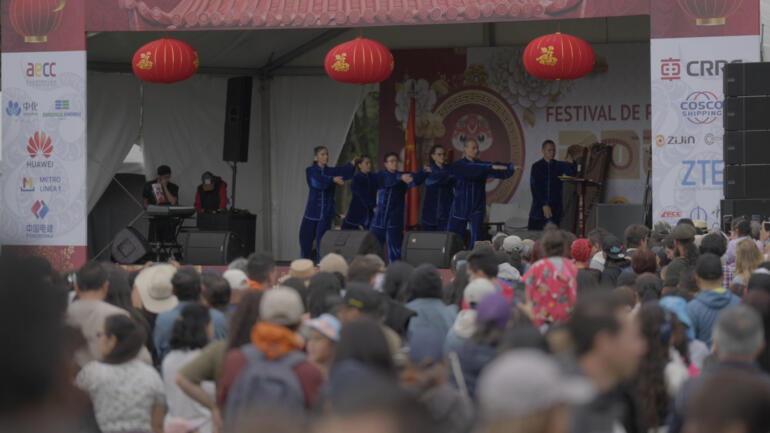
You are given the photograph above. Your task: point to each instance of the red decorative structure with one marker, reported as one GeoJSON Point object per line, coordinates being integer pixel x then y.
{"type": "Point", "coordinates": [35, 19]}
{"type": "Point", "coordinates": [710, 12]}
{"type": "Point", "coordinates": [559, 57]}
{"type": "Point", "coordinates": [360, 61]}
{"type": "Point", "coordinates": [165, 61]}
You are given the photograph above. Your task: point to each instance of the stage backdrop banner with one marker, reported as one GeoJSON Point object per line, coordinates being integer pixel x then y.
{"type": "Point", "coordinates": [687, 56]}
{"type": "Point", "coordinates": [486, 94]}
{"type": "Point", "coordinates": [44, 130]}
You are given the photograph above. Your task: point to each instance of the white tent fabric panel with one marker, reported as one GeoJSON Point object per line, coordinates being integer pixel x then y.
{"type": "Point", "coordinates": [305, 112]}
{"type": "Point", "coordinates": [113, 125]}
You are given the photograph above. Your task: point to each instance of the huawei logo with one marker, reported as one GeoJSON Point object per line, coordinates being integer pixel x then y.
{"type": "Point", "coordinates": [39, 144]}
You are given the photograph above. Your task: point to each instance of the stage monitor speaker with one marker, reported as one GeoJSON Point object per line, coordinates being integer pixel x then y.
{"type": "Point", "coordinates": [237, 116]}
{"type": "Point", "coordinates": [757, 209]}
{"type": "Point", "coordinates": [746, 181]}
{"type": "Point", "coordinates": [747, 147]}
{"type": "Point", "coordinates": [129, 246]}
{"type": "Point", "coordinates": [217, 248]}
{"type": "Point", "coordinates": [746, 113]}
{"type": "Point", "coordinates": [746, 79]}
{"type": "Point", "coordinates": [350, 243]}
{"type": "Point", "coordinates": [616, 217]}
{"type": "Point", "coordinates": [436, 248]}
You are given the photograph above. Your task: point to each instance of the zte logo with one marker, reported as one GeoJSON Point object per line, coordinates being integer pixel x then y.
{"type": "Point", "coordinates": [41, 70]}
{"type": "Point", "coordinates": [671, 69]}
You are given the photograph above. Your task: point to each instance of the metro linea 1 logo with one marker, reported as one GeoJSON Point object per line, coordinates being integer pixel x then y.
{"type": "Point", "coordinates": [702, 107]}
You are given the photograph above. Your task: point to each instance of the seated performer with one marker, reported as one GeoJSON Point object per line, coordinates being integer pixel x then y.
{"type": "Point", "coordinates": [470, 200]}
{"type": "Point", "coordinates": [320, 209]}
{"type": "Point", "coordinates": [439, 192]}
{"type": "Point", "coordinates": [160, 191]}
{"type": "Point", "coordinates": [546, 187]}
{"type": "Point", "coordinates": [364, 189]}
{"type": "Point", "coordinates": [388, 221]}
{"type": "Point", "coordinates": [211, 195]}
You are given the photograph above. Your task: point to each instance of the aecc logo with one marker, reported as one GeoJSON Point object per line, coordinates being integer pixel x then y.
{"type": "Point", "coordinates": [40, 70]}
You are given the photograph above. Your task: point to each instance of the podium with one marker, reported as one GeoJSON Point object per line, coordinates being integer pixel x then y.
{"type": "Point", "coordinates": [581, 185]}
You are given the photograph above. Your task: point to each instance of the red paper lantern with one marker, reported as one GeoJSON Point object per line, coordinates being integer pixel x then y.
{"type": "Point", "coordinates": [165, 61]}
{"type": "Point", "coordinates": [559, 57]}
{"type": "Point", "coordinates": [710, 12]}
{"type": "Point", "coordinates": [35, 19]}
{"type": "Point", "coordinates": [360, 61]}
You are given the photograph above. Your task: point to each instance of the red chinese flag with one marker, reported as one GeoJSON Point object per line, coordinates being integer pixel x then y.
{"type": "Point", "coordinates": [410, 165]}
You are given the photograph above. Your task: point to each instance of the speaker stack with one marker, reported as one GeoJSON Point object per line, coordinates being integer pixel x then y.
{"type": "Point", "coordinates": [746, 140]}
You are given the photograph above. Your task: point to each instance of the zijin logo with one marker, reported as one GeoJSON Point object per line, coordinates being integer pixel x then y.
{"type": "Point", "coordinates": [702, 107]}
{"type": "Point", "coordinates": [27, 184]}
{"type": "Point", "coordinates": [660, 140]}
{"type": "Point", "coordinates": [39, 144]}
{"type": "Point", "coordinates": [670, 69]}
{"type": "Point", "coordinates": [39, 209]}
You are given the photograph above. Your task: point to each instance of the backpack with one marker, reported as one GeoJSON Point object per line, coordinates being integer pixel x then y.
{"type": "Point", "coordinates": [263, 385]}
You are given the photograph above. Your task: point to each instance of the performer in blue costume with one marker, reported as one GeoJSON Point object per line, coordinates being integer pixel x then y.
{"type": "Point", "coordinates": [470, 201]}
{"type": "Point", "coordinates": [319, 212]}
{"type": "Point", "coordinates": [439, 192]}
{"type": "Point", "coordinates": [364, 189]}
{"type": "Point", "coordinates": [546, 187]}
{"type": "Point", "coordinates": [388, 221]}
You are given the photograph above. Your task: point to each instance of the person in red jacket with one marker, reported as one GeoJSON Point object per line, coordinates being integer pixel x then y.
{"type": "Point", "coordinates": [211, 195]}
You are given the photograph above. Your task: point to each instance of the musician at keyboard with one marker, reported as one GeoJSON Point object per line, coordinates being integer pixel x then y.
{"type": "Point", "coordinates": [161, 192]}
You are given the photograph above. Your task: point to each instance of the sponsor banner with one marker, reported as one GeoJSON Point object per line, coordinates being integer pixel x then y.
{"type": "Point", "coordinates": [44, 149]}
{"type": "Point", "coordinates": [687, 110]}
{"type": "Point", "coordinates": [486, 94]}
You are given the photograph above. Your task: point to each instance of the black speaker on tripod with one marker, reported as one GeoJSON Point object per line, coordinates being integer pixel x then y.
{"type": "Point", "coordinates": [237, 116]}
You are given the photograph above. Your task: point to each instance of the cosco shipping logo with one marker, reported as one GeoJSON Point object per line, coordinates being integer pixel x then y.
{"type": "Point", "coordinates": [702, 107]}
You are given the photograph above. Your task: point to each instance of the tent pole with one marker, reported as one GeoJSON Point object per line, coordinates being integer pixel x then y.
{"type": "Point", "coordinates": [265, 147]}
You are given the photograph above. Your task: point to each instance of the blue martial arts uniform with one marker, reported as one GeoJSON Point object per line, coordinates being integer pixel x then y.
{"type": "Point", "coordinates": [546, 190]}
{"type": "Point", "coordinates": [388, 221]}
{"type": "Point", "coordinates": [437, 202]}
{"type": "Point", "coordinates": [364, 189]}
{"type": "Point", "coordinates": [470, 201]}
{"type": "Point", "coordinates": [319, 212]}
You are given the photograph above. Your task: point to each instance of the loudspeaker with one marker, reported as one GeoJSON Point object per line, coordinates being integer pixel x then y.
{"type": "Point", "coordinates": [243, 224]}
{"type": "Point", "coordinates": [749, 208]}
{"type": "Point", "coordinates": [436, 248]}
{"type": "Point", "coordinates": [747, 147]}
{"type": "Point", "coordinates": [747, 113]}
{"type": "Point", "coordinates": [350, 243]}
{"type": "Point", "coordinates": [616, 217]}
{"type": "Point", "coordinates": [211, 247]}
{"type": "Point", "coordinates": [129, 246]}
{"type": "Point", "coordinates": [746, 79]}
{"type": "Point", "coordinates": [746, 181]}
{"type": "Point", "coordinates": [237, 116]}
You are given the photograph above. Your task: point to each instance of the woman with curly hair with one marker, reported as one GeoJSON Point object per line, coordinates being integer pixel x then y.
{"type": "Point", "coordinates": [747, 259]}
{"type": "Point", "coordinates": [662, 371]}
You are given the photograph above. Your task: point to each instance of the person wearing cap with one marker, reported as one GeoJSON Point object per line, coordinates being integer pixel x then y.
{"type": "Point", "coordinates": [528, 387]}
{"type": "Point", "coordinates": [546, 187]}
{"type": "Point", "coordinates": [361, 301]}
{"type": "Point", "coordinates": [89, 312]}
{"type": "Point", "coordinates": [465, 324]}
{"type": "Point", "coordinates": [581, 252]}
{"type": "Point", "coordinates": [186, 285]}
{"type": "Point", "coordinates": [427, 375]}
{"type": "Point", "coordinates": [492, 316]}
{"type": "Point", "coordinates": [712, 298]}
{"type": "Point", "coordinates": [239, 284]}
{"type": "Point", "coordinates": [512, 243]}
{"type": "Point", "coordinates": [274, 336]}
{"type": "Point", "coordinates": [211, 194]}
{"type": "Point", "coordinates": [304, 269]}
{"type": "Point", "coordinates": [615, 260]}
{"type": "Point", "coordinates": [551, 283]}
{"type": "Point", "coordinates": [334, 263]}
{"type": "Point", "coordinates": [324, 335]}
{"type": "Point", "coordinates": [685, 253]}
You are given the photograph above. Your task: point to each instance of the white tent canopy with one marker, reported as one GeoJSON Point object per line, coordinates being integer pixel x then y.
{"type": "Point", "coordinates": [294, 106]}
